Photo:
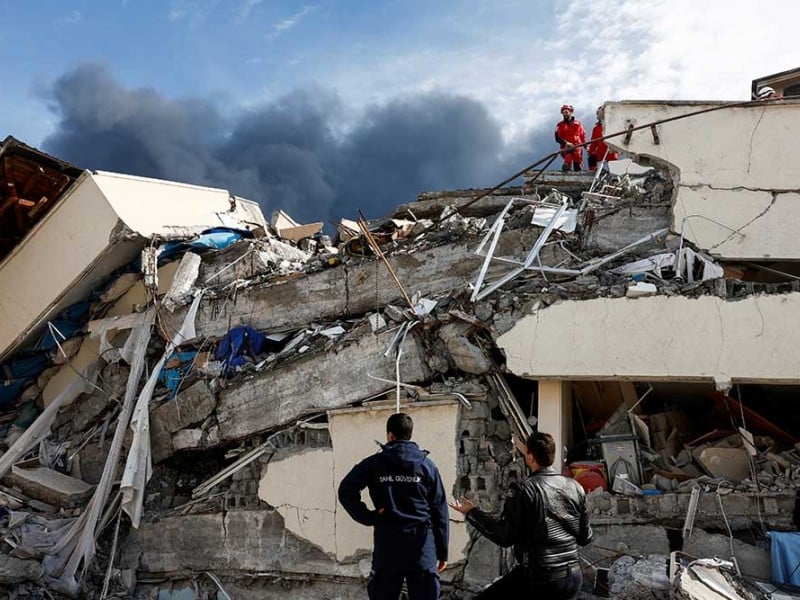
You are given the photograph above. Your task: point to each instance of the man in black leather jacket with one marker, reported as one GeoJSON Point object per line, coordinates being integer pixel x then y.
{"type": "Point", "coordinates": [544, 518]}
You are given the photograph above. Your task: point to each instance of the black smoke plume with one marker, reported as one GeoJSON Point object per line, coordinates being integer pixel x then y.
{"type": "Point", "coordinates": [287, 153]}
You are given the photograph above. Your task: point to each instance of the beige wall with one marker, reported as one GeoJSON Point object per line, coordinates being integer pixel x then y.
{"type": "Point", "coordinates": [73, 248]}
{"type": "Point", "coordinates": [52, 257]}
{"type": "Point", "coordinates": [555, 414]}
{"type": "Point", "coordinates": [311, 510]}
{"type": "Point", "coordinates": [735, 166]}
{"type": "Point", "coordinates": [300, 487]}
{"type": "Point", "coordinates": [751, 339]}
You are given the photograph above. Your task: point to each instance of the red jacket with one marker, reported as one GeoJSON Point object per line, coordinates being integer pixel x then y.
{"type": "Point", "coordinates": [570, 132]}
{"type": "Point", "coordinates": [598, 149]}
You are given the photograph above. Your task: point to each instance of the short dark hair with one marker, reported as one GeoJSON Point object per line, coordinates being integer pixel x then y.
{"type": "Point", "coordinates": [542, 447]}
{"type": "Point", "coordinates": [400, 426]}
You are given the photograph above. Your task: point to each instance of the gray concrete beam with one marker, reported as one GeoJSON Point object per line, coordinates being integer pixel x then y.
{"type": "Point", "coordinates": [316, 383]}
{"type": "Point", "coordinates": [355, 288]}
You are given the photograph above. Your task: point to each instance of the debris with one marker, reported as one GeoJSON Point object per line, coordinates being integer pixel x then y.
{"type": "Point", "coordinates": [49, 486]}
{"type": "Point", "coordinates": [182, 287]}
{"type": "Point", "coordinates": [641, 288]}
{"type": "Point", "coordinates": [289, 229]}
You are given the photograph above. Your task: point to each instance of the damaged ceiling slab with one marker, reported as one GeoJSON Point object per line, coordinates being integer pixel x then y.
{"type": "Point", "coordinates": [697, 339]}
{"type": "Point", "coordinates": [212, 373]}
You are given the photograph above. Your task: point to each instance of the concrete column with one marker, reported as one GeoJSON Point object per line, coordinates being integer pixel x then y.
{"type": "Point", "coordinates": [555, 414]}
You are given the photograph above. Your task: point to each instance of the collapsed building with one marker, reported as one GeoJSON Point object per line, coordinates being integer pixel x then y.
{"type": "Point", "coordinates": [171, 355]}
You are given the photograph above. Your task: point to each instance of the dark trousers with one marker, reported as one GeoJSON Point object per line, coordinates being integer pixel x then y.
{"type": "Point", "coordinates": [519, 585]}
{"type": "Point", "coordinates": [422, 585]}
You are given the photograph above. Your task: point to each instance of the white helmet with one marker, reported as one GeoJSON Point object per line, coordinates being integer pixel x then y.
{"type": "Point", "coordinates": [765, 92]}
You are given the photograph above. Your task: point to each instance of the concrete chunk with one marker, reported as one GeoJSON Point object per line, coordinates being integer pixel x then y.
{"type": "Point", "coordinates": [15, 570]}
{"type": "Point", "coordinates": [180, 291]}
{"type": "Point", "coordinates": [191, 406]}
{"type": "Point", "coordinates": [186, 439]}
{"type": "Point", "coordinates": [466, 356]}
{"type": "Point", "coordinates": [237, 540]}
{"type": "Point", "coordinates": [50, 486]}
{"type": "Point", "coordinates": [753, 561]}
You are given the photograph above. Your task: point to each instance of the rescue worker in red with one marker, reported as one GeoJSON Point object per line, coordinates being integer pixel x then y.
{"type": "Point", "coordinates": [569, 133]}
{"type": "Point", "coordinates": [597, 147]}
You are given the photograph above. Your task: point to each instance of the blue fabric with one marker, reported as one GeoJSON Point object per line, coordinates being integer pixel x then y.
{"type": "Point", "coordinates": [215, 238]}
{"type": "Point", "coordinates": [172, 376]}
{"type": "Point", "coordinates": [785, 557]}
{"type": "Point", "coordinates": [19, 372]}
{"type": "Point", "coordinates": [25, 367]}
{"type": "Point", "coordinates": [49, 337]}
{"type": "Point", "coordinates": [410, 521]}
{"type": "Point", "coordinates": [237, 345]}
{"type": "Point", "coordinates": [10, 391]}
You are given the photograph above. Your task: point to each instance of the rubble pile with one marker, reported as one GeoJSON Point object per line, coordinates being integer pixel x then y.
{"type": "Point", "coordinates": [179, 389]}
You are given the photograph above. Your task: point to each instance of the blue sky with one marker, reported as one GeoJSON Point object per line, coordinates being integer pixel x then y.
{"type": "Point", "coordinates": [291, 101]}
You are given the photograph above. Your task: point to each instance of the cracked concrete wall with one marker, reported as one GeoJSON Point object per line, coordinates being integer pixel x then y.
{"type": "Point", "coordinates": [308, 509]}
{"type": "Point", "coordinates": [660, 338]}
{"type": "Point", "coordinates": [237, 540]}
{"type": "Point", "coordinates": [352, 435]}
{"type": "Point", "coordinates": [734, 166]}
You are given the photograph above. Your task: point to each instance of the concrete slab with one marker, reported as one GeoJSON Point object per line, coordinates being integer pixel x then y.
{"type": "Point", "coordinates": [50, 486]}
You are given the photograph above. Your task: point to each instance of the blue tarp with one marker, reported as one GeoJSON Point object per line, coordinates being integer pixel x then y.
{"type": "Point", "coordinates": [216, 238]}
{"type": "Point", "coordinates": [785, 557]}
{"type": "Point", "coordinates": [238, 344]}
{"type": "Point", "coordinates": [176, 368]}
{"type": "Point", "coordinates": [19, 372]}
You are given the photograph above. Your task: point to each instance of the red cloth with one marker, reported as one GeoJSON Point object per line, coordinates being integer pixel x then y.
{"type": "Point", "coordinates": [598, 149]}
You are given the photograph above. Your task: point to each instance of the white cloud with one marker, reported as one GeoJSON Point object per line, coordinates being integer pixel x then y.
{"type": "Point", "coordinates": [73, 19]}
{"type": "Point", "coordinates": [183, 10]}
{"type": "Point", "coordinates": [290, 22]}
{"type": "Point", "coordinates": [177, 14]}
{"type": "Point", "coordinates": [592, 52]}
{"type": "Point", "coordinates": [245, 9]}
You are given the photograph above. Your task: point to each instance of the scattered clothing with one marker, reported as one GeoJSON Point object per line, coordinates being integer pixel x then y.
{"type": "Point", "coordinates": [240, 343]}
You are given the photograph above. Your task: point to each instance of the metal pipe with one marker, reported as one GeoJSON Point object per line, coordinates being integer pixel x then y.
{"type": "Point", "coordinates": [607, 259]}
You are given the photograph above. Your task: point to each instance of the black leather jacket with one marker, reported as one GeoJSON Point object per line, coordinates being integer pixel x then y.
{"type": "Point", "coordinates": [544, 518]}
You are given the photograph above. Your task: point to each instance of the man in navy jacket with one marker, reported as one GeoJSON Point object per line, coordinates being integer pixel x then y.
{"type": "Point", "coordinates": [410, 521]}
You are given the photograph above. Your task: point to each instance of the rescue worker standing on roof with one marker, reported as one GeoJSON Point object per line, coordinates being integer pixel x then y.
{"type": "Point", "coordinates": [598, 149]}
{"type": "Point", "coordinates": [544, 518]}
{"type": "Point", "coordinates": [410, 520]}
{"type": "Point", "coordinates": [569, 133]}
